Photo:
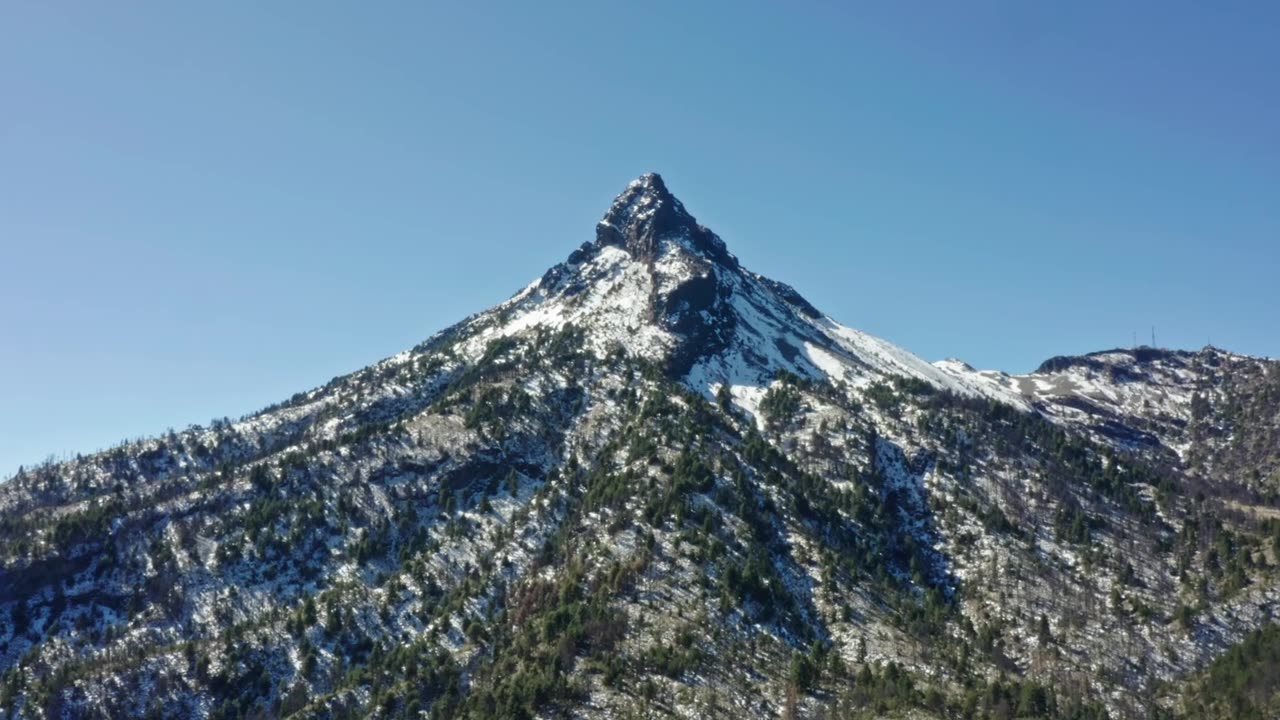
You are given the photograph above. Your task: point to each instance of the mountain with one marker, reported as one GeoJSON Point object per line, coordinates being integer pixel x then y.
{"type": "Point", "coordinates": [654, 483]}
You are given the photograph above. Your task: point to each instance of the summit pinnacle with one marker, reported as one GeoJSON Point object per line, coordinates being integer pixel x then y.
{"type": "Point", "coordinates": [645, 213]}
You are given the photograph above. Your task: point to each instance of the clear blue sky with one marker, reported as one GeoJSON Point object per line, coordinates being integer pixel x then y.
{"type": "Point", "coordinates": [205, 207]}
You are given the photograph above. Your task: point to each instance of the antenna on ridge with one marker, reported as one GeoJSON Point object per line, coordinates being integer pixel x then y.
{"type": "Point", "coordinates": [1153, 336]}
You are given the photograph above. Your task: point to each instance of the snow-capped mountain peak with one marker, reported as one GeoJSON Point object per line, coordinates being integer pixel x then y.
{"type": "Point", "coordinates": [530, 514]}
{"type": "Point", "coordinates": [657, 284]}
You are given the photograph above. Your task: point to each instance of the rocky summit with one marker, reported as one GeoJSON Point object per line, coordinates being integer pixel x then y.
{"type": "Point", "coordinates": [653, 483]}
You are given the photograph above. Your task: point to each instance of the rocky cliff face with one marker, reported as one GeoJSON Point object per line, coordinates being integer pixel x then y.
{"type": "Point", "coordinates": [655, 483]}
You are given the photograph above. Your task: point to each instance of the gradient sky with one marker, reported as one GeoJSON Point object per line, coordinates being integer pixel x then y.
{"type": "Point", "coordinates": [206, 207]}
